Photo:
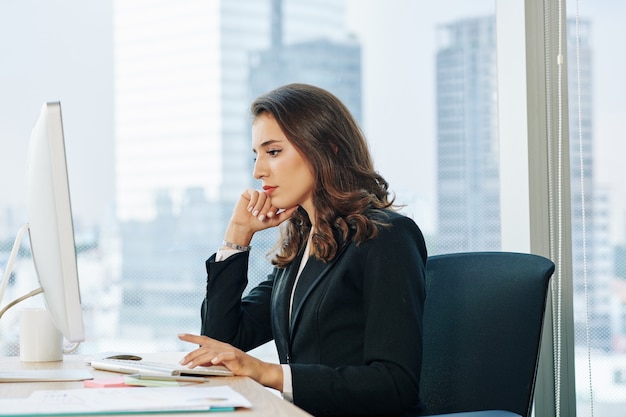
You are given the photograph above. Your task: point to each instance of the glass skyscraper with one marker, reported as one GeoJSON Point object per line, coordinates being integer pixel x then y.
{"type": "Point", "coordinates": [468, 162]}
{"type": "Point", "coordinates": [467, 137]}
{"type": "Point", "coordinates": [183, 147]}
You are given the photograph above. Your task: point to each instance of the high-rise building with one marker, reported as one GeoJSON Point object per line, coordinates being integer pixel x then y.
{"type": "Point", "coordinates": [468, 160]}
{"type": "Point", "coordinates": [183, 147]}
{"type": "Point", "coordinates": [592, 264]}
{"type": "Point", "coordinates": [332, 64]}
{"type": "Point", "coordinates": [181, 87]}
{"type": "Point", "coordinates": [467, 137]}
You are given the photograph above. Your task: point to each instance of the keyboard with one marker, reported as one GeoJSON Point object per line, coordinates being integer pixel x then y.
{"type": "Point", "coordinates": [126, 366]}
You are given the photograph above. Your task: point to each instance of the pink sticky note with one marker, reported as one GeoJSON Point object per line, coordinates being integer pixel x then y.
{"type": "Point", "coordinates": [106, 383]}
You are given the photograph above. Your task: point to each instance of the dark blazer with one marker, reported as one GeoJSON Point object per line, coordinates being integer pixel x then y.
{"type": "Point", "coordinates": [354, 340]}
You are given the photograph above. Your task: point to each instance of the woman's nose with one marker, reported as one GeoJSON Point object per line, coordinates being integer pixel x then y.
{"type": "Point", "coordinates": [259, 170]}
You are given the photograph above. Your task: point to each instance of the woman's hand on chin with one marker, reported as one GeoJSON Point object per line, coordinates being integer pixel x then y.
{"type": "Point", "coordinates": [254, 211]}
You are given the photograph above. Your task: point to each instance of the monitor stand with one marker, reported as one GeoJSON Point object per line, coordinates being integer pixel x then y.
{"type": "Point", "coordinates": [9, 269]}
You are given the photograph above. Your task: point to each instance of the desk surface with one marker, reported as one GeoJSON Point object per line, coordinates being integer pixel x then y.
{"type": "Point", "coordinates": [264, 402]}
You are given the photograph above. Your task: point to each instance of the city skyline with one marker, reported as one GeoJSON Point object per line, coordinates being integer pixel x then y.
{"type": "Point", "coordinates": [378, 26]}
{"type": "Point", "coordinates": [89, 122]}
{"type": "Point", "coordinates": [183, 133]}
{"type": "Point", "coordinates": [74, 63]}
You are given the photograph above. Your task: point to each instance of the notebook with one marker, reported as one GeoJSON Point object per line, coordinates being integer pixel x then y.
{"type": "Point", "coordinates": [125, 366]}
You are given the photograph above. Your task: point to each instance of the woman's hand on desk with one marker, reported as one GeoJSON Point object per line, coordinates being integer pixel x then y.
{"type": "Point", "coordinates": [214, 352]}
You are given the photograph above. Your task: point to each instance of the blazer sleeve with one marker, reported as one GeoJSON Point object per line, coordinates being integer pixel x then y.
{"type": "Point", "coordinates": [244, 323]}
{"type": "Point", "coordinates": [386, 381]}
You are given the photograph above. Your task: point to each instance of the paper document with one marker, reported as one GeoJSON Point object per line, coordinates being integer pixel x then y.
{"type": "Point", "coordinates": [38, 375]}
{"type": "Point", "coordinates": [123, 401]}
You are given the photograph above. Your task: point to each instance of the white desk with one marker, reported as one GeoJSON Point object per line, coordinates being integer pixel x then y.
{"type": "Point", "coordinates": [264, 402]}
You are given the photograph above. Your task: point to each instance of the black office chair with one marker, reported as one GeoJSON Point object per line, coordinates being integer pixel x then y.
{"type": "Point", "coordinates": [483, 318]}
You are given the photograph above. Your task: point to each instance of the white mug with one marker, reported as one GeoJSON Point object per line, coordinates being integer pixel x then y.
{"type": "Point", "coordinates": [40, 340]}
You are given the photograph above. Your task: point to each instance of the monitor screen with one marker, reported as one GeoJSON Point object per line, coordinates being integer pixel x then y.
{"type": "Point", "coordinates": [50, 223]}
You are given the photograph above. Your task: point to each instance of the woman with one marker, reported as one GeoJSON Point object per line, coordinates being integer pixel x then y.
{"type": "Point", "coordinates": [344, 302]}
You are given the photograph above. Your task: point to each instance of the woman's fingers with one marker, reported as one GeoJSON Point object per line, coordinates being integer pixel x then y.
{"type": "Point", "coordinates": [253, 198]}
{"type": "Point", "coordinates": [205, 353]}
{"type": "Point", "coordinates": [260, 205]}
{"type": "Point", "coordinates": [224, 358]}
{"type": "Point", "coordinates": [213, 352]}
{"type": "Point", "coordinates": [193, 338]}
{"type": "Point", "coordinates": [254, 211]}
{"type": "Point", "coordinates": [268, 209]}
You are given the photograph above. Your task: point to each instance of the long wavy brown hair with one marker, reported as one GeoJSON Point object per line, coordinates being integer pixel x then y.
{"type": "Point", "coordinates": [350, 198]}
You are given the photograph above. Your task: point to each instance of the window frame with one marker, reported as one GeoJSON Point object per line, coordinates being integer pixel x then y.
{"type": "Point", "coordinates": [528, 116]}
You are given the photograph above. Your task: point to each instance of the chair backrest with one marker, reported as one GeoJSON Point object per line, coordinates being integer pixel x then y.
{"type": "Point", "coordinates": [483, 318]}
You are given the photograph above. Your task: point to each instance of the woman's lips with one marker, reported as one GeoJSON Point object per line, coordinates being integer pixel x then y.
{"type": "Point", "coordinates": [268, 189]}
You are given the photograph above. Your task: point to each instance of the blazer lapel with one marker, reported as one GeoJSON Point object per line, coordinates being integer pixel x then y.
{"type": "Point", "coordinates": [312, 274]}
{"type": "Point", "coordinates": [281, 298]}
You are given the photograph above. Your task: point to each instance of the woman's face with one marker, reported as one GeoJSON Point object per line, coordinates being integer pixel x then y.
{"type": "Point", "coordinates": [286, 176]}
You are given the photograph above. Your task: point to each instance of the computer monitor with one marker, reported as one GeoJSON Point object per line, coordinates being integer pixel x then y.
{"type": "Point", "coordinates": [50, 225]}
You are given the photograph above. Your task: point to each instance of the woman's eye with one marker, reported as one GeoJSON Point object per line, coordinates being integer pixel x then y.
{"type": "Point", "coordinates": [273, 152]}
